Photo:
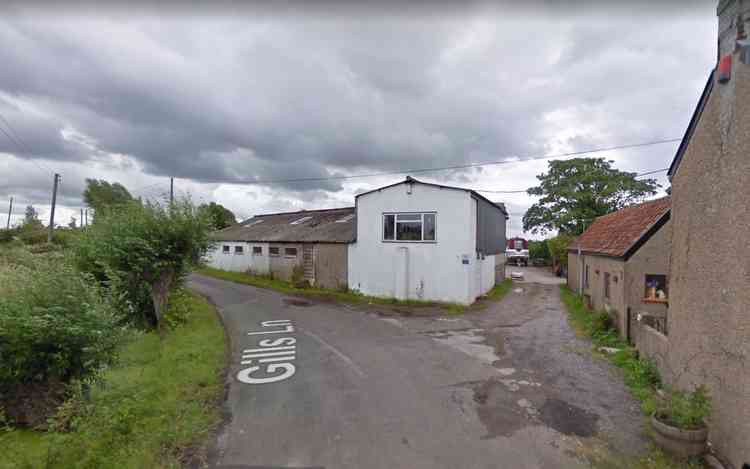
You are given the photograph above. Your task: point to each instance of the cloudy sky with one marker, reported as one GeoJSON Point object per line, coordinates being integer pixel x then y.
{"type": "Point", "coordinates": [229, 101]}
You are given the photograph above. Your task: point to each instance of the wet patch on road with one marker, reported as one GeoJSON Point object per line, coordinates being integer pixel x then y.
{"type": "Point", "coordinates": [470, 342]}
{"type": "Point", "coordinates": [568, 419]}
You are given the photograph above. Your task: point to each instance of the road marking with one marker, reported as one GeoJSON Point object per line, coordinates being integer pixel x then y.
{"type": "Point", "coordinates": [274, 356]}
{"type": "Point", "coordinates": [333, 349]}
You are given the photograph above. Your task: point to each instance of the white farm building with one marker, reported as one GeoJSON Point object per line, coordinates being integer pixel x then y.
{"type": "Point", "coordinates": [409, 240]}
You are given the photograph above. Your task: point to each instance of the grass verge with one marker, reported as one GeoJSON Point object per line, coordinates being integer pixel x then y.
{"type": "Point", "coordinates": [156, 408]}
{"type": "Point", "coordinates": [640, 374]}
{"type": "Point", "coordinates": [344, 296]}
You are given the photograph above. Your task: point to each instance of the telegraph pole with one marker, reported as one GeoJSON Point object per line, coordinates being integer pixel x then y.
{"type": "Point", "coordinates": [171, 191]}
{"type": "Point", "coordinates": [10, 210]}
{"type": "Point", "coordinates": [52, 212]}
{"type": "Point", "coordinates": [87, 217]}
{"type": "Point", "coordinates": [80, 222]}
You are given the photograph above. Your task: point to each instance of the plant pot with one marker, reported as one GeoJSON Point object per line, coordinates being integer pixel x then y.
{"type": "Point", "coordinates": [678, 441]}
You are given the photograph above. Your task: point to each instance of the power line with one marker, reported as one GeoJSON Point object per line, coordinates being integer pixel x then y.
{"type": "Point", "coordinates": [18, 142]}
{"type": "Point", "coordinates": [463, 166]}
{"type": "Point", "coordinates": [520, 191]}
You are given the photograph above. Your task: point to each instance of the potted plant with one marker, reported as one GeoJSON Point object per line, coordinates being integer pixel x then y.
{"type": "Point", "coordinates": [679, 422]}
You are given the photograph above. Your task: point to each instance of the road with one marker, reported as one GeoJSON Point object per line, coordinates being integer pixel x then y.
{"type": "Point", "coordinates": [374, 390]}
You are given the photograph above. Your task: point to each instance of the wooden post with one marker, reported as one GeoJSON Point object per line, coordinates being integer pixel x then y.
{"type": "Point", "coordinates": [10, 210]}
{"type": "Point", "coordinates": [52, 212]}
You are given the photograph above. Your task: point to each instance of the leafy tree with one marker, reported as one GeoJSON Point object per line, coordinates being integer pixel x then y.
{"type": "Point", "coordinates": [575, 192]}
{"type": "Point", "coordinates": [539, 250]}
{"type": "Point", "coordinates": [72, 223]}
{"type": "Point", "coordinates": [142, 251]}
{"type": "Point", "coordinates": [218, 215]}
{"type": "Point", "coordinates": [32, 217]}
{"type": "Point", "coordinates": [100, 194]}
{"type": "Point", "coordinates": [558, 249]}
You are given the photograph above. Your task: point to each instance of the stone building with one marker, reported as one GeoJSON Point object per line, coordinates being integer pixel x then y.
{"type": "Point", "coordinates": [620, 265]}
{"type": "Point", "coordinates": [709, 314]}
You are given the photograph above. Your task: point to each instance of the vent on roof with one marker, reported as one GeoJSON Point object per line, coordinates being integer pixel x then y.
{"type": "Point", "coordinates": [300, 220]}
{"type": "Point", "coordinates": [345, 219]}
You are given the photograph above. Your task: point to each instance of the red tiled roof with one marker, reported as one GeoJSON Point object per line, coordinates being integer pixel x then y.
{"type": "Point", "coordinates": [615, 233]}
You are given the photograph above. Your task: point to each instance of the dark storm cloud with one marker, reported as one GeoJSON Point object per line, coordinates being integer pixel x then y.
{"type": "Point", "coordinates": [298, 95]}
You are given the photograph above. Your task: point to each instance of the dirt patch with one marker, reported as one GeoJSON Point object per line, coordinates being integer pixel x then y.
{"type": "Point", "coordinates": [498, 410]}
{"type": "Point", "coordinates": [568, 419]}
{"type": "Point", "coordinates": [30, 405]}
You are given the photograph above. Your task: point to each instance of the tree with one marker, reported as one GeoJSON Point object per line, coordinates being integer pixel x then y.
{"type": "Point", "coordinates": [72, 223]}
{"type": "Point", "coordinates": [575, 192]}
{"type": "Point", "coordinates": [539, 250]}
{"type": "Point", "coordinates": [100, 194]}
{"type": "Point", "coordinates": [218, 215]}
{"type": "Point", "coordinates": [143, 251]}
{"type": "Point", "coordinates": [558, 249]}
{"type": "Point", "coordinates": [31, 217]}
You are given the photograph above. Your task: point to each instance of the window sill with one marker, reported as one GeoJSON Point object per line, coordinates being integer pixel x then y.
{"type": "Point", "coordinates": [656, 300]}
{"type": "Point", "coordinates": [409, 242]}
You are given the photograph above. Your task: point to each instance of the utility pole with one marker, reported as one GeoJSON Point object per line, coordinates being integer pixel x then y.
{"type": "Point", "coordinates": [10, 210]}
{"type": "Point", "coordinates": [87, 217]}
{"type": "Point", "coordinates": [171, 191]}
{"type": "Point", "coordinates": [80, 222]}
{"type": "Point", "coordinates": [52, 212]}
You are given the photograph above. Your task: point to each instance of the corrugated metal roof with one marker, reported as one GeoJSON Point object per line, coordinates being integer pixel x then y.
{"type": "Point", "coordinates": [618, 234]}
{"type": "Point", "coordinates": [306, 226]}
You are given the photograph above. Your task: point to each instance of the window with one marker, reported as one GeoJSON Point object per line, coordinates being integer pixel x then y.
{"type": "Point", "coordinates": [290, 252]}
{"type": "Point", "coordinates": [656, 288]}
{"type": "Point", "coordinates": [518, 244]}
{"type": "Point", "coordinates": [300, 220]}
{"type": "Point", "coordinates": [409, 226]}
{"type": "Point", "coordinates": [225, 249]}
{"type": "Point", "coordinates": [586, 278]}
{"type": "Point", "coordinates": [606, 284]}
{"type": "Point", "coordinates": [257, 251]}
{"type": "Point", "coordinates": [239, 250]}
{"type": "Point", "coordinates": [273, 251]}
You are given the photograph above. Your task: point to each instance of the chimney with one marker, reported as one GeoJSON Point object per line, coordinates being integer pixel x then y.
{"type": "Point", "coordinates": [734, 25]}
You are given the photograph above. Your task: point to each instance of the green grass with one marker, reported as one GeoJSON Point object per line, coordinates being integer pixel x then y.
{"type": "Point", "coordinates": [344, 296]}
{"type": "Point", "coordinates": [160, 401]}
{"type": "Point", "coordinates": [499, 291]}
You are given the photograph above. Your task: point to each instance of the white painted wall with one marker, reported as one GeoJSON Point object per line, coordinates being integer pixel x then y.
{"type": "Point", "coordinates": [408, 270]}
{"type": "Point", "coordinates": [238, 262]}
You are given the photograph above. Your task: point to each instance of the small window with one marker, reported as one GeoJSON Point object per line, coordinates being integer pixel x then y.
{"type": "Point", "coordinates": [429, 227]}
{"type": "Point", "coordinates": [606, 284]}
{"type": "Point", "coordinates": [239, 250]}
{"type": "Point", "coordinates": [300, 220]}
{"type": "Point", "coordinates": [290, 252]}
{"type": "Point", "coordinates": [225, 249]}
{"type": "Point", "coordinates": [273, 251]}
{"type": "Point", "coordinates": [656, 288]}
{"type": "Point", "coordinates": [257, 251]}
{"type": "Point", "coordinates": [389, 227]}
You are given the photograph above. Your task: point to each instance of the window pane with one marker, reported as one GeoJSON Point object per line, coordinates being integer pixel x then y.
{"type": "Point", "coordinates": [409, 216]}
{"type": "Point", "coordinates": [388, 226]}
{"type": "Point", "coordinates": [290, 251]}
{"type": "Point", "coordinates": [257, 250]}
{"type": "Point", "coordinates": [409, 231]}
{"type": "Point", "coordinates": [429, 227]}
{"type": "Point", "coordinates": [225, 248]}
{"type": "Point", "coordinates": [273, 251]}
{"type": "Point", "coordinates": [239, 250]}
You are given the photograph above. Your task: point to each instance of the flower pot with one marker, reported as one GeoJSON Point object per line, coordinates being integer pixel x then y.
{"type": "Point", "coordinates": [678, 441]}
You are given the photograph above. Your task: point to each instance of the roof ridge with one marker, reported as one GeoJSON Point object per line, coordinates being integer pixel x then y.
{"type": "Point", "coordinates": [632, 206]}
{"type": "Point", "coordinates": [303, 211]}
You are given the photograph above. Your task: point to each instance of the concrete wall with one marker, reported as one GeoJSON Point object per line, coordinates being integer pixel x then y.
{"type": "Point", "coordinates": [615, 304]}
{"type": "Point", "coordinates": [443, 270]}
{"type": "Point", "coordinates": [281, 266]}
{"type": "Point", "coordinates": [651, 343]}
{"type": "Point", "coordinates": [238, 262]}
{"type": "Point", "coordinates": [709, 316]}
{"type": "Point", "coordinates": [331, 265]}
{"type": "Point", "coordinates": [574, 272]}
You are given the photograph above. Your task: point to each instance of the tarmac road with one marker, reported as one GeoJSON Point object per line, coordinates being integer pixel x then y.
{"type": "Point", "coordinates": [356, 389]}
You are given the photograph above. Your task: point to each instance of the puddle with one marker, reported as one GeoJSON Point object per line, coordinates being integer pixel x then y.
{"type": "Point", "coordinates": [297, 302]}
{"type": "Point", "coordinates": [469, 342]}
{"type": "Point", "coordinates": [568, 419]}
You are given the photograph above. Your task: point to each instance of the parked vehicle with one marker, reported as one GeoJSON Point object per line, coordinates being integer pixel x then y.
{"type": "Point", "coordinates": [517, 251]}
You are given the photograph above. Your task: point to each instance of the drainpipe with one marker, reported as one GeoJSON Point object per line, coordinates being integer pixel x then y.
{"type": "Point", "coordinates": [580, 271]}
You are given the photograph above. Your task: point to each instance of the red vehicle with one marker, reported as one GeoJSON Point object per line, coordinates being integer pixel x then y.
{"type": "Point", "coordinates": [517, 251]}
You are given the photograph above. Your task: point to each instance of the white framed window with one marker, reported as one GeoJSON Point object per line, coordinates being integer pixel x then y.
{"type": "Point", "coordinates": [290, 252]}
{"type": "Point", "coordinates": [257, 250]}
{"type": "Point", "coordinates": [410, 227]}
{"type": "Point", "coordinates": [273, 251]}
{"type": "Point", "coordinates": [239, 250]}
{"type": "Point", "coordinates": [225, 249]}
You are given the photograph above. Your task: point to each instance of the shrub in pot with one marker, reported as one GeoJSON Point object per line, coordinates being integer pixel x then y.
{"type": "Point", "coordinates": [679, 422]}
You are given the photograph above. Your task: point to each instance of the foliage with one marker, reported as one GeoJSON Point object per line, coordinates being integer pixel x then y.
{"type": "Point", "coordinates": [684, 409]}
{"type": "Point", "coordinates": [142, 252]}
{"type": "Point", "coordinates": [558, 248]}
{"type": "Point", "coordinates": [179, 304]}
{"type": "Point", "coordinates": [72, 223]}
{"type": "Point", "coordinates": [574, 192]}
{"type": "Point", "coordinates": [31, 216]}
{"type": "Point", "coordinates": [100, 194]}
{"type": "Point", "coordinates": [499, 291]}
{"type": "Point", "coordinates": [154, 408]}
{"type": "Point", "coordinates": [218, 215]}
{"type": "Point", "coordinates": [539, 250]}
{"type": "Point", "coordinates": [7, 236]}
{"type": "Point", "coordinates": [53, 323]}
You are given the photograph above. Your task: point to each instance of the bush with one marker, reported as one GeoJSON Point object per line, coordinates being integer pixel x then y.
{"type": "Point", "coordinates": [141, 252]}
{"type": "Point", "coordinates": [687, 410]}
{"type": "Point", "coordinates": [54, 325]}
{"type": "Point", "coordinates": [7, 236]}
{"type": "Point", "coordinates": [539, 250]}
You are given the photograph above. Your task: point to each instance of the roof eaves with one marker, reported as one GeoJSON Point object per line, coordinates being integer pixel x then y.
{"type": "Point", "coordinates": [647, 234]}
{"type": "Point", "coordinates": [691, 126]}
